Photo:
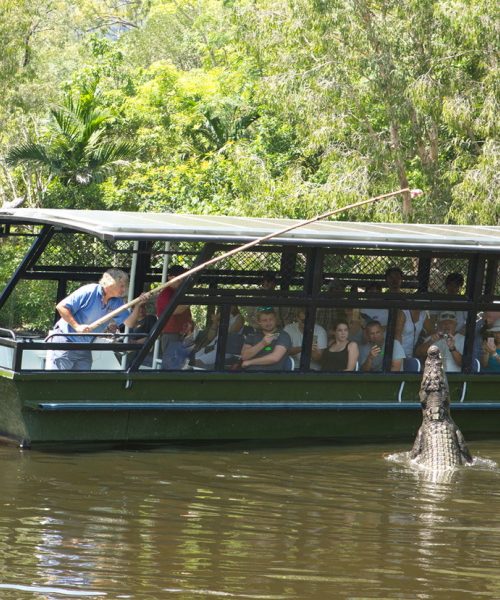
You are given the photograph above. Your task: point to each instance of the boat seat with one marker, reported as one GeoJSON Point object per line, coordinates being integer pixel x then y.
{"type": "Point", "coordinates": [409, 365]}
{"type": "Point", "coordinates": [476, 367]}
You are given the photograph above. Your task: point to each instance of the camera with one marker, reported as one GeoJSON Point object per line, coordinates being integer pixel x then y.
{"type": "Point", "coordinates": [444, 335]}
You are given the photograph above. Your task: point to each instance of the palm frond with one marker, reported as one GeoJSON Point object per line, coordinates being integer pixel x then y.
{"type": "Point", "coordinates": [28, 152]}
{"type": "Point", "coordinates": [79, 150]}
{"type": "Point", "coordinates": [68, 127]}
{"type": "Point", "coordinates": [112, 151]}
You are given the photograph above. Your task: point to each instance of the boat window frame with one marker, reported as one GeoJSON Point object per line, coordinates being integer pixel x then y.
{"type": "Point", "coordinates": [480, 286]}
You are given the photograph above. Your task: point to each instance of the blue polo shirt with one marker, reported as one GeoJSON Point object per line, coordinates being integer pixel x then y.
{"type": "Point", "coordinates": [87, 305]}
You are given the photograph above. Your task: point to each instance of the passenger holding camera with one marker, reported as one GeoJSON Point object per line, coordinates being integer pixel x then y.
{"type": "Point", "coordinates": [490, 359]}
{"type": "Point", "coordinates": [266, 350]}
{"type": "Point", "coordinates": [371, 354]}
{"type": "Point", "coordinates": [450, 343]}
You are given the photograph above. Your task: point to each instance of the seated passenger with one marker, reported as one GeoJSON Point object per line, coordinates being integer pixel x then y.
{"type": "Point", "coordinates": [206, 344]}
{"type": "Point", "coordinates": [206, 349]}
{"type": "Point", "coordinates": [178, 353]}
{"type": "Point", "coordinates": [341, 354]}
{"type": "Point", "coordinates": [490, 359]}
{"type": "Point", "coordinates": [266, 350]}
{"type": "Point", "coordinates": [485, 322]}
{"type": "Point", "coordinates": [371, 354]}
{"type": "Point", "coordinates": [296, 332]}
{"type": "Point", "coordinates": [145, 322]}
{"type": "Point", "coordinates": [450, 343]}
{"type": "Point", "coordinates": [236, 323]}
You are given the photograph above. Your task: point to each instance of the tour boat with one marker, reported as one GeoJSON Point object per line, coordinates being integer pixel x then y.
{"type": "Point", "coordinates": [325, 267]}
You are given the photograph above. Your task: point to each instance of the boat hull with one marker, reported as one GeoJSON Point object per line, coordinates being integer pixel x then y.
{"type": "Point", "coordinates": [62, 408]}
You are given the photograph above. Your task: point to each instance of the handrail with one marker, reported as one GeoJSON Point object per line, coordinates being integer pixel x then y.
{"type": "Point", "coordinates": [113, 336]}
{"type": "Point", "coordinates": [9, 331]}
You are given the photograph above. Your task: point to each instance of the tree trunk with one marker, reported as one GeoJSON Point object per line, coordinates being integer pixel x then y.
{"type": "Point", "coordinates": [400, 167]}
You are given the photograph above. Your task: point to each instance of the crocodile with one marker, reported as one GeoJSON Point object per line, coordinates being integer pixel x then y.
{"type": "Point", "coordinates": [439, 445]}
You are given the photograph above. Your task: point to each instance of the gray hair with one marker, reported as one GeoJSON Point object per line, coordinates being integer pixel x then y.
{"type": "Point", "coordinates": [112, 276]}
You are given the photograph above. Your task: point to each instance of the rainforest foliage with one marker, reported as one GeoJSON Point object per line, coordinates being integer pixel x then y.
{"type": "Point", "coordinates": [252, 107]}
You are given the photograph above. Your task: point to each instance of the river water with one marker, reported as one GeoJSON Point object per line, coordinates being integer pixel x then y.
{"type": "Point", "coordinates": [299, 522]}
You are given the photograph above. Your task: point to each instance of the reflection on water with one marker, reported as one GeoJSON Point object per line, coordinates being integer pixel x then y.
{"type": "Point", "coordinates": [247, 522]}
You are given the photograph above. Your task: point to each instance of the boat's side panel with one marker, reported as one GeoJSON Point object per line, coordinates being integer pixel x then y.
{"type": "Point", "coordinates": [154, 408]}
{"type": "Point", "coordinates": [484, 388]}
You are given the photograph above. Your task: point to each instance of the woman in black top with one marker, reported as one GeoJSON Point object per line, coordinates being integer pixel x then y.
{"type": "Point", "coordinates": [341, 354]}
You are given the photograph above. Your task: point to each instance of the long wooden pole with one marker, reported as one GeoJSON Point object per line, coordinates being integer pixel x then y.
{"type": "Point", "coordinates": [212, 261]}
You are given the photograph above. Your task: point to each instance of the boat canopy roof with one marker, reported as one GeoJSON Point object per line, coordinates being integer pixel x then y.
{"type": "Point", "coordinates": [116, 225]}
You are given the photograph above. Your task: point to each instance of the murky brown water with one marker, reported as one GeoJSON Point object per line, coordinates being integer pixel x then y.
{"type": "Point", "coordinates": [308, 522]}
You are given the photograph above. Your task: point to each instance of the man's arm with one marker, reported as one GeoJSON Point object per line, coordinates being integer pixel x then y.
{"type": "Point", "coordinates": [456, 352]}
{"type": "Point", "coordinates": [398, 355]}
{"type": "Point", "coordinates": [368, 363]}
{"type": "Point", "coordinates": [68, 316]}
{"type": "Point", "coordinates": [316, 353]}
{"type": "Point", "coordinates": [293, 350]}
{"type": "Point", "coordinates": [396, 364]}
{"type": "Point", "coordinates": [248, 351]}
{"type": "Point", "coordinates": [269, 359]}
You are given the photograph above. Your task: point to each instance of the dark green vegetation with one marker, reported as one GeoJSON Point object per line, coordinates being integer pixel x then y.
{"type": "Point", "coordinates": [281, 108]}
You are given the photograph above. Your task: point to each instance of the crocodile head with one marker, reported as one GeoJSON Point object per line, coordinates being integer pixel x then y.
{"type": "Point", "coordinates": [434, 392]}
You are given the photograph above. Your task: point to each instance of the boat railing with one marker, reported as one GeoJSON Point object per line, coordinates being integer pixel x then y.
{"type": "Point", "coordinates": [21, 353]}
{"type": "Point", "coordinates": [7, 333]}
{"type": "Point", "coordinates": [112, 337]}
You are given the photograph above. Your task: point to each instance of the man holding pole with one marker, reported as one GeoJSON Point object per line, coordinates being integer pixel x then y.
{"type": "Point", "coordinates": [80, 309]}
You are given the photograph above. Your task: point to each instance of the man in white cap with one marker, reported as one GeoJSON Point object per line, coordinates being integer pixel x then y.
{"type": "Point", "coordinates": [450, 343]}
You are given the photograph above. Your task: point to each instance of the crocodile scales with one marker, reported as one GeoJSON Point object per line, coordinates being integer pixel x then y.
{"type": "Point", "coordinates": [439, 445]}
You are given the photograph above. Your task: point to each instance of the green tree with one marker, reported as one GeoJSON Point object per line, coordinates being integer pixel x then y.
{"type": "Point", "coordinates": [79, 147]}
{"type": "Point", "coordinates": [401, 92]}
